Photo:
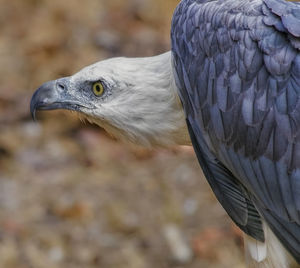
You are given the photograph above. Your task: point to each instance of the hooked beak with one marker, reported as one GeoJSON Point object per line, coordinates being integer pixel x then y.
{"type": "Point", "coordinates": [54, 95]}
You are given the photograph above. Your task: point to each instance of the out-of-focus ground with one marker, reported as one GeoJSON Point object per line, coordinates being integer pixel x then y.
{"type": "Point", "coordinates": [71, 196]}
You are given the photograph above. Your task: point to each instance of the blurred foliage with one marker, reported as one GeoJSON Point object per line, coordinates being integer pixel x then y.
{"type": "Point", "coordinates": [71, 196]}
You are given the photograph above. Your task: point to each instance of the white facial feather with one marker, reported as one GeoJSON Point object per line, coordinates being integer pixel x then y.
{"type": "Point", "coordinates": [143, 105]}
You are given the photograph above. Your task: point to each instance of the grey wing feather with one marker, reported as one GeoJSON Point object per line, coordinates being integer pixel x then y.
{"type": "Point", "coordinates": [237, 67]}
{"type": "Point", "coordinates": [230, 193]}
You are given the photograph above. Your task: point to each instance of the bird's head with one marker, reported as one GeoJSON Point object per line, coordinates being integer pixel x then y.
{"type": "Point", "coordinates": [133, 99]}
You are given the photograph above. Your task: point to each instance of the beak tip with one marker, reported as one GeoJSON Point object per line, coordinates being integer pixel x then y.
{"type": "Point", "coordinates": [33, 107]}
{"type": "Point", "coordinates": [33, 115]}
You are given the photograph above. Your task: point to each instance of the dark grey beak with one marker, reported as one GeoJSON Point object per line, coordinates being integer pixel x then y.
{"type": "Point", "coordinates": [53, 95]}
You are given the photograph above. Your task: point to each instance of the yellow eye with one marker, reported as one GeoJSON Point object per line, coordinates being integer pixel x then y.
{"type": "Point", "coordinates": [98, 89]}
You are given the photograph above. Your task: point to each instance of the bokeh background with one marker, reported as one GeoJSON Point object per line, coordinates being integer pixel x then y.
{"type": "Point", "coordinates": [70, 195]}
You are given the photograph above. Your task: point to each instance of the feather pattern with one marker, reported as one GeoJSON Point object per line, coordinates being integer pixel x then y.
{"type": "Point", "coordinates": [237, 65]}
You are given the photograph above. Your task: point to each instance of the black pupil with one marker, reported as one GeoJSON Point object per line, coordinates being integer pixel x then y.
{"type": "Point", "coordinates": [98, 88]}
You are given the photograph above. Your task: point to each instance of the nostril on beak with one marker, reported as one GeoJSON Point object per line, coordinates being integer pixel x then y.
{"type": "Point", "coordinates": [61, 85]}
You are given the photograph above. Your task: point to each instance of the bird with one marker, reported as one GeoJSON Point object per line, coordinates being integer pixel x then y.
{"type": "Point", "coordinates": [230, 87]}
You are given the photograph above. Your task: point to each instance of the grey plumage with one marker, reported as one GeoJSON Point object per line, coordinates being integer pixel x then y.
{"type": "Point", "coordinates": [237, 68]}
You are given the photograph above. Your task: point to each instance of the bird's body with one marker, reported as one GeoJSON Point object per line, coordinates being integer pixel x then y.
{"type": "Point", "coordinates": [237, 64]}
{"type": "Point", "coordinates": [232, 81]}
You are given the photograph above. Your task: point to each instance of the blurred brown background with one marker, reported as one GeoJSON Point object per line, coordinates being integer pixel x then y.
{"type": "Point", "coordinates": [71, 196]}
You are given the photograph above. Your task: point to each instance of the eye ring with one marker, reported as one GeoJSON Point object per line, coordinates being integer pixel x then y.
{"type": "Point", "coordinates": [98, 89]}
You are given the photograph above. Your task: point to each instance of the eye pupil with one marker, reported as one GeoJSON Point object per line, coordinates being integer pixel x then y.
{"type": "Point", "coordinates": [98, 89]}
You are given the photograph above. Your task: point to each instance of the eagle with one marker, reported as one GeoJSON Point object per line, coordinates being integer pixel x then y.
{"type": "Point", "coordinates": [230, 87]}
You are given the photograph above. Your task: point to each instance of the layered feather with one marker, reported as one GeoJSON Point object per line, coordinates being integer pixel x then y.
{"type": "Point", "coordinates": [237, 65]}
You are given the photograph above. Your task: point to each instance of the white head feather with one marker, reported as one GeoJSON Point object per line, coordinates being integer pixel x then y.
{"type": "Point", "coordinates": [142, 104]}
